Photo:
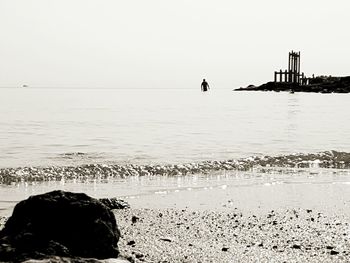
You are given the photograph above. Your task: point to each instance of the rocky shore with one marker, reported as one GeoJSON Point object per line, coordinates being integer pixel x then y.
{"type": "Point", "coordinates": [328, 159]}
{"type": "Point", "coordinates": [319, 84]}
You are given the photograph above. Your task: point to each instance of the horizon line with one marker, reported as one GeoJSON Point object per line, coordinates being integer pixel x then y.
{"type": "Point", "coordinates": [77, 87]}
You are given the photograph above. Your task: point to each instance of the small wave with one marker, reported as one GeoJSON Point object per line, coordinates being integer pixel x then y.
{"type": "Point", "coordinates": [329, 159]}
{"type": "Point", "coordinates": [78, 156]}
{"type": "Point", "coordinates": [72, 154]}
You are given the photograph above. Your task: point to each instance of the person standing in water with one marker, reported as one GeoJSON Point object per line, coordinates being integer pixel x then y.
{"type": "Point", "coordinates": [205, 86]}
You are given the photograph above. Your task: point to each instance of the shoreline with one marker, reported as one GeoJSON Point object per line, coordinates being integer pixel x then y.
{"type": "Point", "coordinates": [327, 159]}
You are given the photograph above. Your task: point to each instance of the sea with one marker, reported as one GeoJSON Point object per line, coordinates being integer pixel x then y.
{"type": "Point", "coordinates": [74, 127]}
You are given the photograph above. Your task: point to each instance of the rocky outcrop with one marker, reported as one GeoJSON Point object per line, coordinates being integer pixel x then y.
{"type": "Point", "coordinates": [319, 84]}
{"type": "Point", "coordinates": [77, 260]}
{"type": "Point", "coordinates": [62, 224]}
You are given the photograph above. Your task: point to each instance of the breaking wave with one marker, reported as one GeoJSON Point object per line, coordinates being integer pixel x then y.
{"type": "Point", "coordinates": [328, 159]}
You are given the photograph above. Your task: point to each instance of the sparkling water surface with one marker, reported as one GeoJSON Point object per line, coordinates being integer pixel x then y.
{"type": "Point", "coordinates": [326, 190]}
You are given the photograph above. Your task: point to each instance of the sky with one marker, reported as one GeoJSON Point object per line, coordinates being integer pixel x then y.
{"type": "Point", "coordinates": [168, 43]}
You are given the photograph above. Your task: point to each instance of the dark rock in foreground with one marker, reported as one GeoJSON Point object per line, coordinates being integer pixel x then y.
{"type": "Point", "coordinates": [60, 224]}
{"type": "Point", "coordinates": [319, 85]}
{"type": "Point", "coordinates": [76, 260]}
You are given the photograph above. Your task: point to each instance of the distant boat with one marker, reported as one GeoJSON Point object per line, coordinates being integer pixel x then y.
{"type": "Point", "coordinates": [24, 86]}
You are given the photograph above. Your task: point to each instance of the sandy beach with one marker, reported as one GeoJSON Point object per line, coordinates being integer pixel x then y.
{"type": "Point", "coordinates": [173, 235]}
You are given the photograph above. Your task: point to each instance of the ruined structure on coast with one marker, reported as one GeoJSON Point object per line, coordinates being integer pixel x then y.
{"type": "Point", "coordinates": [293, 80]}
{"type": "Point", "coordinates": [292, 75]}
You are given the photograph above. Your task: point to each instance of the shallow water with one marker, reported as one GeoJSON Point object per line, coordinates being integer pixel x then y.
{"type": "Point", "coordinates": [75, 126]}
{"type": "Point", "coordinates": [326, 190]}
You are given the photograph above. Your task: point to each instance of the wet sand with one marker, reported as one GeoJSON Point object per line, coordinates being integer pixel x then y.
{"type": "Point", "coordinates": [174, 235]}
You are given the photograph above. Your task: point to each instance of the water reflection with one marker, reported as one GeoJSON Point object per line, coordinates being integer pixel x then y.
{"type": "Point", "coordinates": [293, 109]}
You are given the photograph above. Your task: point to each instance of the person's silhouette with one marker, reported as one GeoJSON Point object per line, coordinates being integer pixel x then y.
{"type": "Point", "coordinates": [205, 86]}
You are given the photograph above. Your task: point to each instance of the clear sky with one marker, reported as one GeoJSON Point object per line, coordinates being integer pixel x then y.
{"type": "Point", "coordinates": [168, 43]}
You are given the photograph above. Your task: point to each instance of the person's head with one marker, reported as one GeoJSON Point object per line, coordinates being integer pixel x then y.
{"type": "Point", "coordinates": [203, 80]}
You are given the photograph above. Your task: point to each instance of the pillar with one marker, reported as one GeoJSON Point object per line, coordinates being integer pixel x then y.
{"type": "Point", "coordinates": [280, 75]}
